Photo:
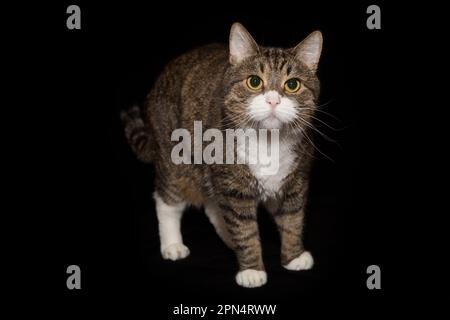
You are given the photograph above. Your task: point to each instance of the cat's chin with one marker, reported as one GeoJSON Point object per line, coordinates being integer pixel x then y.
{"type": "Point", "coordinates": [271, 123]}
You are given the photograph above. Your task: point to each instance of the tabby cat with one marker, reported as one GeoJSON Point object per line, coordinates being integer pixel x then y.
{"type": "Point", "coordinates": [241, 85]}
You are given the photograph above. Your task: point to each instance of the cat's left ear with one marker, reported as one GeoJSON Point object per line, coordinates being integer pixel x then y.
{"type": "Point", "coordinates": [242, 44]}
{"type": "Point", "coordinates": [308, 51]}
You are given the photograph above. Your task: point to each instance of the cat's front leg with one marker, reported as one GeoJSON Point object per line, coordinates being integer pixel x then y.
{"type": "Point", "coordinates": [240, 220]}
{"type": "Point", "coordinates": [289, 219]}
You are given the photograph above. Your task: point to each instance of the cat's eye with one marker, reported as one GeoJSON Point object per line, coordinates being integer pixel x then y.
{"type": "Point", "coordinates": [292, 85]}
{"type": "Point", "coordinates": [254, 83]}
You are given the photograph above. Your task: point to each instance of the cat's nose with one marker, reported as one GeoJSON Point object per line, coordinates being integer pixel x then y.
{"type": "Point", "coordinates": [273, 98]}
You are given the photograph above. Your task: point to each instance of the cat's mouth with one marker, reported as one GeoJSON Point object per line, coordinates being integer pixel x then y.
{"type": "Point", "coordinates": [271, 122]}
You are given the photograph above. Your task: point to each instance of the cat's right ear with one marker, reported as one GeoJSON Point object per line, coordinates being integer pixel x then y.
{"type": "Point", "coordinates": [242, 44]}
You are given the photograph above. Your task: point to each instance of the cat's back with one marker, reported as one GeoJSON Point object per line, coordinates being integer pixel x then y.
{"type": "Point", "coordinates": [199, 67]}
{"type": "Point", "coordinates": [186, 87]}
{"type": "Point", "coordinates": [199, 61]}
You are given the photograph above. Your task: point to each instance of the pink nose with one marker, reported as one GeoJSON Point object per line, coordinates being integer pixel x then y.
{"type": "Point", "coordinates": [273, 100]}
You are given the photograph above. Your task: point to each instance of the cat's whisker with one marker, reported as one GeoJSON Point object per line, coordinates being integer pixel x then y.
{"type": "Point", "coordinates": [317, 109]}
{"type": "Point", "coordinates": [234, 122]}
{"type": "Point", "coordinates": [243, 123]}
{"type": "Point", "coordinates": [325, 104]}
{"type": "Point", "coordinates": [299, 130]}
{"type": "Point", "coordinates": [326, 124]}
{"type": "Point", "coordinates": [303, 131]}
{"type": "Point", "coordinates": [311, 126]}
{"type": "Point", "coordinates": [291, 114]}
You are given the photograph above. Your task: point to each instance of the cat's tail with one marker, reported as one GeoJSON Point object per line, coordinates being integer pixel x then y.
{"type": "Point", "coordinates": [138, 134]}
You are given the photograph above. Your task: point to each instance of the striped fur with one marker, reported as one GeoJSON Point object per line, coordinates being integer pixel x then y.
{"type": "Point", "coordinates": [208, 85]}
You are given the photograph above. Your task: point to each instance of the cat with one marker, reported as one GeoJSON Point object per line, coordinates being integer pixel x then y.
{"type": "Point", "coordinates": [239, 85]}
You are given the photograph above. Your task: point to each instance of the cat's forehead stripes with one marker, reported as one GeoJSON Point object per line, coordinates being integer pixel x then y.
{"type": "Point", "coordinates": [274, 65]}
{"type": "Point", "coordinates": [276, 59]}
{"type": "Point", "coordinates": [288, 70]}
{"type": "Point", "coordinates": [261, 67]}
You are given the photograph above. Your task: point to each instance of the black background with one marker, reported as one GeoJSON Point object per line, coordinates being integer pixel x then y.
{"type": "Point", "coordinates": [99, 210]}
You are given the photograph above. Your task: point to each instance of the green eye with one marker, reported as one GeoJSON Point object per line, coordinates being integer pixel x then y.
{"type": "Point", "coordinates": [254, 82]}
{"type": "Point", "coordinates": [292, 85]}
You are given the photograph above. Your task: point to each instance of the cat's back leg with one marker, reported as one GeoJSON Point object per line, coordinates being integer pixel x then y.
{"type": "Point", "coordinates": [169, 213]}
{"type": "Point", "coordinates": [214, 215]}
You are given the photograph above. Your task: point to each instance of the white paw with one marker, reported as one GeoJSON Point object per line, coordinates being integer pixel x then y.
{"type": "Point", "coordinates": [251, 278]}
{"type": "Point", "coordinates": [304, 261]}
{"type": "Point", "coordinates": [175, 251]}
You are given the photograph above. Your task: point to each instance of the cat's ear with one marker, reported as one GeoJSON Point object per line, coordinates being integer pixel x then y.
{"type": "Point", "coordinates": [242, 44]}
{"type": "Point", "coordinates": [308, 51]}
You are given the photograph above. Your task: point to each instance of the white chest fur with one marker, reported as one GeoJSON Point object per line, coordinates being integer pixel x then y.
{"type": "Point", "coordinates": [269, 184]}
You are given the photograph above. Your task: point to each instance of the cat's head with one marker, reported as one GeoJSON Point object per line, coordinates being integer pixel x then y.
{"type": "Point", "coordinates": [271, 88]}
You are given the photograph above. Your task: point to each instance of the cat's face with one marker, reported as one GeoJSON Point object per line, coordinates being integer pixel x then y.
{"type": "Point", "coordinates": [271, 88]}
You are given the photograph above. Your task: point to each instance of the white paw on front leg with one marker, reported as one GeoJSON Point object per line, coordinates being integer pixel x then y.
{"type": "Point", "coordinates": [251, 278]}
{"type": "Point", "coordinates": [175, 251]}
{"type": "Point", "coordinates": [304, 261]}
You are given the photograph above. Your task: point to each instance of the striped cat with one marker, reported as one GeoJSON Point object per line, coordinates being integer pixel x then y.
{"type": "Point", "coordinates": [241, 85]}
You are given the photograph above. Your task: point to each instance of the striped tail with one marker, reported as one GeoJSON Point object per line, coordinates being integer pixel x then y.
{"type": "Point", "coordinates": [138, 134]}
